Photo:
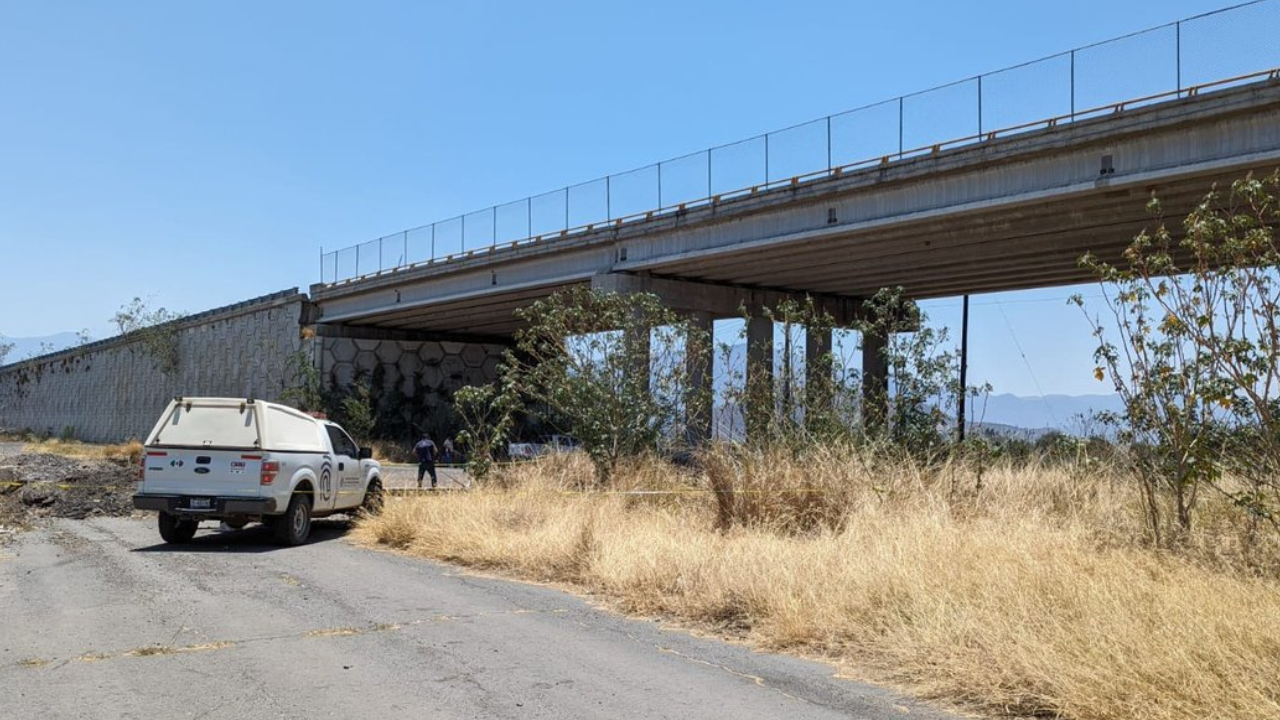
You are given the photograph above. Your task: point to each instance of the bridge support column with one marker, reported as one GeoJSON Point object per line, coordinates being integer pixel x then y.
{"type": "Point", "coordinates": [818, 368]}
{"type": "Point", "coordinates": [964, 371]}
{"type": "Point", "coordinates": [699, 400]}
{"type": "Point", "coordinates": [759, 390]}
{"type": "Point", "coordinates": [639, 353]}
{"type": "Point", "coordinates": [875, 382]}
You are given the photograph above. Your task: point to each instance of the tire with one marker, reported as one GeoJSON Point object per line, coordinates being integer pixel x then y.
{"type": "Point", "coordinates": [236, 523]}
{"type": "Point", "coordinates": [177, 530]}
{"type": "Point", "coordinates": [373, 498]}
{"type": "Point", "coordinates": [294, 526]}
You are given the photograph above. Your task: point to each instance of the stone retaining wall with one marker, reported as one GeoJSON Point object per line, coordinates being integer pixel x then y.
{"type": "Point", "coordinates": [114, 389]}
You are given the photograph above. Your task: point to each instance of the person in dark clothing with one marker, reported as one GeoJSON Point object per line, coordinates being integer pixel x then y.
{"type": "Point", "coordinates": [426, 452]}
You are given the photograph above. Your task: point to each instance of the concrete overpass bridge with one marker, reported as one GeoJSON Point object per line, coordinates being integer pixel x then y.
{"type": "Point", "coordinates": [999, 210]}
{"type": "Point", "coordinates": [1002, 214]}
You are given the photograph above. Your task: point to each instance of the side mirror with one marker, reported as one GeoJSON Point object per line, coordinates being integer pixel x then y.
{"type": "Point", "coordinates": [366, 453]}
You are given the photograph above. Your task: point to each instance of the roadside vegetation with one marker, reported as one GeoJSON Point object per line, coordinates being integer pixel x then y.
{"type": "Point", "coordinates": [154, 330]}
{"type": "Point", "coordinates": [1039, 594]}
{"type": "Point", "coordinates": [129, 452]}
{"type": "Point", "coordinates": [1132, 573]}
{"type": "Point", "coordinates": [65, 445]}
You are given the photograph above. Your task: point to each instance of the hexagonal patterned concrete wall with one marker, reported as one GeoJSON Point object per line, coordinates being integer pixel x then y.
{"type": "Point", "coordinates": [425, 372]}
{"type": "Point", "coordinates": [113, 389]}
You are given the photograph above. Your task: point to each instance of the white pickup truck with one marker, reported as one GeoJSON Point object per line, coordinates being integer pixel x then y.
{"type": "Point", "coordinates": [240, 460]}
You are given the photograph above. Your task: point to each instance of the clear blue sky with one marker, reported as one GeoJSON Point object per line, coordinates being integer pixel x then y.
{"type": "Point", "coordinates": [200, 153]}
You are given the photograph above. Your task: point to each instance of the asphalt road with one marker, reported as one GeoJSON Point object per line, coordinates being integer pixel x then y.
{"type": "Point", "coordinates": [397, 476]}
{"type": "Point", "coordinates": [99, 620]}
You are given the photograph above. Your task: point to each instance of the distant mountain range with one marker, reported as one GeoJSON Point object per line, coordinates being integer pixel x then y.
{"type": "Point", "coordinates": [1005, 415]}
{"type": "Point", "coordinates": [26, 347]}
{"type": "Point", "coordinates": [1068, 413]}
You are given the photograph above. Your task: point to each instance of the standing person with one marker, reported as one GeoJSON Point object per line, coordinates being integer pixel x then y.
{"type": "Point", "coordinates": [426, 452]}
{"type": "Point", "coordinates": [448, 450]}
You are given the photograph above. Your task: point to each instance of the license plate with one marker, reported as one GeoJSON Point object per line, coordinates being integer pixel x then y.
{"type": "Point", "coordinates": [201, 503]}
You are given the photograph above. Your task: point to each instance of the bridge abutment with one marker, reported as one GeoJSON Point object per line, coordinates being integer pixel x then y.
{"type": "Point", "coordinates": [410, 375]}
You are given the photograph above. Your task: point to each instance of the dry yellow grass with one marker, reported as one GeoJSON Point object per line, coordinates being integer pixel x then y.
{"type": "Point", "coordinates": [129, 452]}
{"type": "Point", "coordinates": [1034, 595]}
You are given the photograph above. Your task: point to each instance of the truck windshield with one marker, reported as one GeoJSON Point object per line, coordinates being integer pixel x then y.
{"type": "Point", "coordinates": [197, 426]}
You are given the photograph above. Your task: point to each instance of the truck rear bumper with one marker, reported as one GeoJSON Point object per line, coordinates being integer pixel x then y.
{"type": "Point", "coordinates": [217, 506]}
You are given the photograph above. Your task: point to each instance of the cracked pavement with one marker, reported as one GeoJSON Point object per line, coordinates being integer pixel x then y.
{"type": "Point", "coordinates": [101, 620]}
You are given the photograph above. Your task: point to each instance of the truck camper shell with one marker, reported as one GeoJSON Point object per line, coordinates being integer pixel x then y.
{"type": "Point", "coordinates": [237, 424]}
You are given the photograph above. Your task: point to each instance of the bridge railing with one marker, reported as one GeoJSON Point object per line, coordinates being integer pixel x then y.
{"type": "Point", "coordinates": [1231, 46]}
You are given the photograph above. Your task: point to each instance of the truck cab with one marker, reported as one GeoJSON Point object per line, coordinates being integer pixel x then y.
{"type": "Point", "coordinates": [243, 460]}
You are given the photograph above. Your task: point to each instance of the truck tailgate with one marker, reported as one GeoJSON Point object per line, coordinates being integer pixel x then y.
{"type": "Point", "coordinates": [184, 471]}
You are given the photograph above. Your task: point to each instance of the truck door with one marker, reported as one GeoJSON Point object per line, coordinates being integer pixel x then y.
{"type": "Point", "coordinates": [344, 488]}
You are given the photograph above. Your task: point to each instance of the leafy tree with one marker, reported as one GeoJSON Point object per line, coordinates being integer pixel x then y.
{"type": "Point", "coordinates": [924, 375]}
{"type": "Point", "coordinates": [5, 349]}
{"type": "Point", "coordinates": [611, 369]}
{"type": "Point", "coordinates": [806, 397]}
{"type": "Point", "coordinates": [306, 389]}
{"type": "Point", "coordinates": [1195, 313]}
{"type": "Point", "coordinates": [488, 416]}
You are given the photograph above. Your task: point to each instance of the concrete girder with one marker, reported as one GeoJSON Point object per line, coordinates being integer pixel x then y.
{"type": "Point", "coordinates": [720, 301]}
{"type": "Point", "coordinates": [366, 333]}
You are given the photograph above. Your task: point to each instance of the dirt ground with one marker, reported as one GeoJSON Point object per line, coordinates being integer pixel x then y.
{"type": "Point", "coordinates": [39, 485]}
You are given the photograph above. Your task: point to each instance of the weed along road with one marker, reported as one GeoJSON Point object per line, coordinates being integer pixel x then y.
{"type": "Point", "coordinates": [101, 620]}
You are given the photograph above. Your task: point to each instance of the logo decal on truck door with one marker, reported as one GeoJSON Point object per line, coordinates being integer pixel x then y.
{"type": "Point", "coordinates": [326, 483]}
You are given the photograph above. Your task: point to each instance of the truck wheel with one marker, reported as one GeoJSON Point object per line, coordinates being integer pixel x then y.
{"type": "Point", "coordinates": [372, 504]}
{"type": "Point", "coordinates": [294, 526]}
{"type": "Point", "coordinates": [177, 530]}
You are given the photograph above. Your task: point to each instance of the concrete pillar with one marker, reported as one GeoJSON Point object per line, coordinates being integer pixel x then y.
{"type": "Point", "coordinates": [875, 382]}
{"type": "Point", "coordinates": [759, 395]}
{"type": "Point", "coordinates": [639, 350]}
{"type": "Point", "coordinates": [817, 373]}
{"type": "Point", "coordinates": [699, 362]}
